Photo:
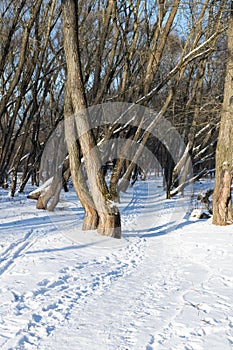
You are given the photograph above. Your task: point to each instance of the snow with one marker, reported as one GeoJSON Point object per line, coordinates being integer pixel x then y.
{"type": "Point", "coordinates": [167, 284]}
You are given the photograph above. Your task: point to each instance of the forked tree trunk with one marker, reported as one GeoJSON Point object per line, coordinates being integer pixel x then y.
{"type": "Point", "coordinates": [222, 201]}
{"type": "Point", "coordinates": [108, 215]}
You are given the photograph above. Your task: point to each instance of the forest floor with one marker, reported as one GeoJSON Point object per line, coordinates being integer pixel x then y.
{"type": "Point", "coordinates": [167, 284]}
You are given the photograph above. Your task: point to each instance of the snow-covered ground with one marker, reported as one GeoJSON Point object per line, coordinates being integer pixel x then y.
{"type": "Point", "coordinates": [167, 284]}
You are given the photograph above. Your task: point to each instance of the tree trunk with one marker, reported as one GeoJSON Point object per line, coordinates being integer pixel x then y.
{"type": "Point", "coordinates": [108, 215]}
{"type": "Point", "coordinates": [91, 216]}
{"type": "Point", "coordinates": [13, 183]}
{"type": "Point", "coordinates": [222, 209]}
{"type": "Point", "coordinates": [222, 201]}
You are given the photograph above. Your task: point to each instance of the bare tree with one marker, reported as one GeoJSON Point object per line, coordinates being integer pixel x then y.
{"type": "Point", "coordinates": [108, 215]}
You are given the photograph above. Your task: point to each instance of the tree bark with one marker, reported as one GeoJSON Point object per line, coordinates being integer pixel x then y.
{"type": "Point", "coordinates": [222, 200]}
{"type": "Point", "coordinates": [91, 216]}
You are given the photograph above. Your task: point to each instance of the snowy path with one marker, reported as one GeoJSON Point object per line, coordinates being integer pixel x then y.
{"type": "Point", "coordinates": [175, 299]}
{"type": "Point", "coordinates": [160, 287]}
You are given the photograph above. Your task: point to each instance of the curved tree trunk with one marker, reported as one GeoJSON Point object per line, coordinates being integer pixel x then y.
{"type": "Point", "coordinates": [91, 216]}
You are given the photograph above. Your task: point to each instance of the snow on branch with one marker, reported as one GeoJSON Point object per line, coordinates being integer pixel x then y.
{"type": "Point", "coordinates": [180, 188]}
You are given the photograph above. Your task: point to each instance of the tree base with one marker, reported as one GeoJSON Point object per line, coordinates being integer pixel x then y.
{"type": "Point", "coordinates": [222, 204]}
{"type": "Point", "coordinates": [110, 224]}
{"type": "Point", "coordinates": [90, 221]}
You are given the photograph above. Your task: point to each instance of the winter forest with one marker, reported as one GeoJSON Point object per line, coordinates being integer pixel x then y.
{"type": "Point", "coordinates": [101, 100]}
{"type": "Point", "coordinates": [173, 57]}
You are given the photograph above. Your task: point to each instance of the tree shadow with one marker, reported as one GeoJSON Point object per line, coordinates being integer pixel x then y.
{"type": "Point", "coordinates": [63, 249]}
{"type": "Point", "coordinates": [54, 219]}
{"type": "Point", "coordinates": [158, 230]}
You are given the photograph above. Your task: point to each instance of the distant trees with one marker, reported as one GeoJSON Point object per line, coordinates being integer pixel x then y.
{"type": "Point", "coordinates": [31, 86]}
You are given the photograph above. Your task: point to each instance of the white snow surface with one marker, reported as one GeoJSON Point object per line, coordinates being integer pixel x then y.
{"type": "Point", "coordinates": [167, 284]}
